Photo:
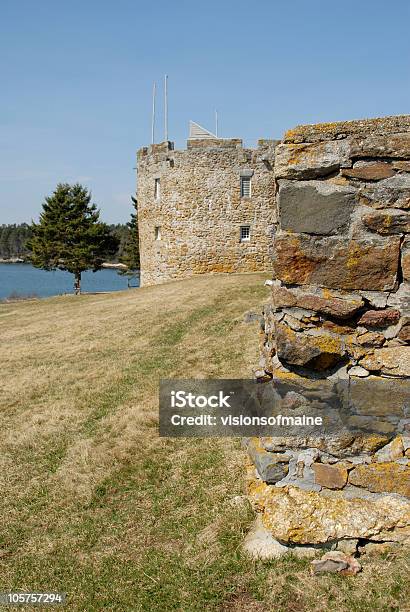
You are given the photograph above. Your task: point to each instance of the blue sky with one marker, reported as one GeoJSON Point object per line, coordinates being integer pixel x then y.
{"type": "Point", "coordinates": [77, 79]}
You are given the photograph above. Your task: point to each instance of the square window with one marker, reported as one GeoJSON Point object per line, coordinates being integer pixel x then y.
{"type": "Point", "coordinates": [157, 189]}
{"type": "Point", "coordinates": [245, 233]}
{"type": "Point", "coordinates": [245, 187]}
{"type": "Point", "coordinates": [157, 233]}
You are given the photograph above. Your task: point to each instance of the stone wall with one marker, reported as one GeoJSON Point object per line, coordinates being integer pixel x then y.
{"type": "Point", "coordinates": [200, 209]}
{"type": "Point", "coordinates": [340, 312]}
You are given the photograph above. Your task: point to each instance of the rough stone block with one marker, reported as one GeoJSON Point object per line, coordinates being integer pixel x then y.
{"type": "Point", "coordinates": [371, 339]}
{"type": "Point", "coordinates": [330, 476]}
{"type": "Point", "coordinates": [376, 425]}
{"type": "Point", "coordinates": [393, 192]}
{"type": "Point", "coordinates": [382, 477]}
{"type": "Point", "coordinates": [342, 129]}
{"type": "Point", "coordinates": [359, 372]}
{"type": "Point", "coordinates": [319, 352]}
{"type": "Point", "coordinates": [401, 298]}
{"type": "Point", "coordinates": [378, 396]}
{"type": "Point", "coordinates": [369, 171]}
{"type": "Point", "coordinates": [392, 451]}
{"type": "Point", "coordinates": [405, 259]}
{"type": "Point", "coordinates": [309, 517]}
{"type": "Point", "coordinates": [379, 318]}
{"type": "Point", "coordinates": [311, 160]}
{"type": "Point", "coordinates": [387, 222]}
{"type": "Point", "coordinates": [391, 361]}
{"type": "Point", "coordinates": [271, 467]}
{"type": "Point", "coordinates": [315, 207]}
{"type": "Point", "coordinates": [342, 445]}
{"type": "Point", "coordinates": [368, 264]}
{"type": "Point", "coordinates": [377, 299]}
{"type": "Point", "coordinates": [382, 145]}
{"type": "Point", "coordinates": [326, 302]}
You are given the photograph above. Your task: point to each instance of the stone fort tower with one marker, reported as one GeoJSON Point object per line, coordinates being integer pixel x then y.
{"type": "Point", "coordinates": [209, 208]}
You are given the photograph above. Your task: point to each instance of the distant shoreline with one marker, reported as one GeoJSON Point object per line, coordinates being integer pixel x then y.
{"type": "Point", "coordinates": [106, 265]}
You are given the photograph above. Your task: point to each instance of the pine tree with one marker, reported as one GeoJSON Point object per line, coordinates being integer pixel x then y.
{"type": "Point", "coordinates": [69, 235]}
{"type": "Point", "coordinates": [131, 254]}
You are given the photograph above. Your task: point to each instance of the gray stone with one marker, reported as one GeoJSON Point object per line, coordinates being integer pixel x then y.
{"type": "Point", "coordinates": [271, 467]}
{"type": "Point", "coordinates": [401, 298]}
{"type": "Point", "coordinates": [379, 397]}
{"type": "Point", "coordinates": [349, 546]}
{"type": "Point", "coordinates": [377, 299]}
{"type": "Point", "coordinates": [315, 207]}
{"type": "Point", "coordinates": [391, 332]}
{"type": "Point", "coordinates": [299, 313]}
{"type": "Point", "coordinates": [393, 361]}
{"type": "Point", "coordinates": [339, 374]}
{"type": "Point", "coordinates": [392, 451]}
{"type": "Point", "coordinates": [358, 371]}
{"type": "Point", "coordinates": [294, 323]}
{"type": "Point", "coordinates": [382, 145]}
{"type": "Point", "coordinates": [393, 192]}
{"type": "Point", "coordinates": [336, 561]}
{"type": "Point", "coordinates": [358, 459]}
{"type": "Point", "coordinates": [305, 161]}
{"type": "Point", "coordinates": [301, 473]}
{"type": "Point", "coordinates": [259, 543]}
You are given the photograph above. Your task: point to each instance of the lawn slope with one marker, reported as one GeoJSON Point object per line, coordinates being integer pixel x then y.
{"type": "Point", "coordinates": [95, 504]}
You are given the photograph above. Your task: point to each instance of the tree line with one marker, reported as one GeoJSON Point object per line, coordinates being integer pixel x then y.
{"type": "Point", "coordinates": [14, 238]}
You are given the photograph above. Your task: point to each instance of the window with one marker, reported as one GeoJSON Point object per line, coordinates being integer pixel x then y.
{"type": "Point", "coordinates": [245, 233]}
{"type": "Point", "coordinates": [157, 233]}
{"type": "Point", "coordinates": [245, 186]}
{"type": "Point", "coordinates": [157, 189]}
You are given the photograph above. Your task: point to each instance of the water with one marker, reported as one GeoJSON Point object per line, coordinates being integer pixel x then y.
{"type": "Point", "coordinates": [25, 280]}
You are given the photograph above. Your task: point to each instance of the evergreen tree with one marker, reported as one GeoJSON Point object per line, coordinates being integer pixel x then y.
{"type": "Point", "coordinates": [70, 235]}
{"type": "Point", "coordinates": [121, 231]}
{"type": "Point", "coordinates": [131, 253]}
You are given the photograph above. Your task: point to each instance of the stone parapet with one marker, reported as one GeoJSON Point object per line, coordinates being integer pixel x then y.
{"type": "Point", "coordinates": [339, 310]}
{"type": "Point", "coordinates": [319, 132]}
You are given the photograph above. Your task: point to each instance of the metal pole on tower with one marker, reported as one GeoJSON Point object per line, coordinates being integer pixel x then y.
{"type": "Point", "coordinates": [166, 106]}
{"type": "Point", "coordinates": [216, 123]}
{"type": "Point", "coordinates": [153, 114]}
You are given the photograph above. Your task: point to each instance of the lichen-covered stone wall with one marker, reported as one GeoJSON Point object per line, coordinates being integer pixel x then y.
{"type": "Point", "coordinates": [340, 311]}
{"type": "Point", "coordinates": [200, 209]}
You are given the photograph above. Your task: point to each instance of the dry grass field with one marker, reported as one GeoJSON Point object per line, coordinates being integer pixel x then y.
{"type": "Point", "coordinates": [95, 504]}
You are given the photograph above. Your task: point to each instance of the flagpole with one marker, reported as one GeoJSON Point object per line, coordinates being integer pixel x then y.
{"type": "Point", "coordinates": [166, 107]}
{"type": "Point", "coordinates": [153, 114]}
